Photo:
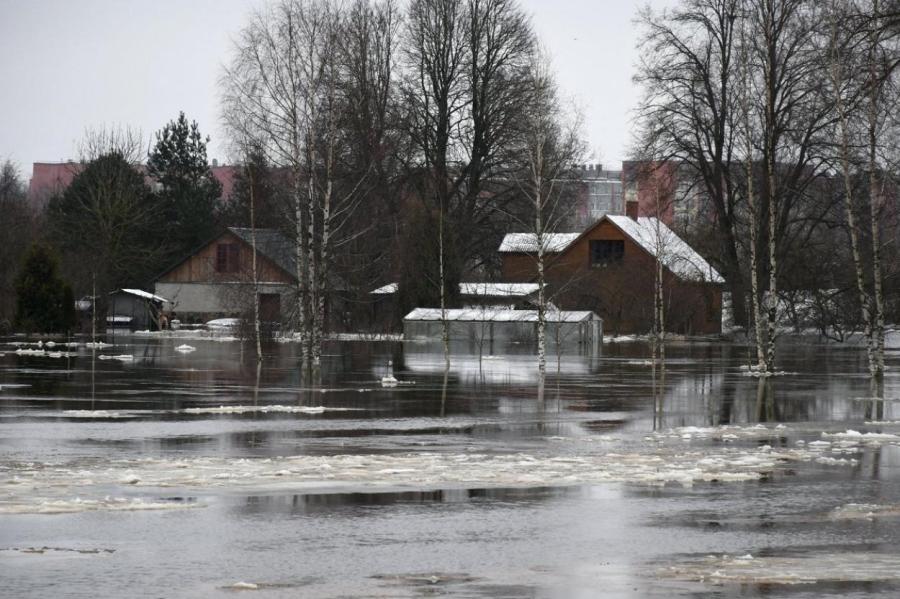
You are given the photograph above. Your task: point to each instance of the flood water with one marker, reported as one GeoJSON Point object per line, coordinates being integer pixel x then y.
{"type": "Point", "coordinates": [193, 474]}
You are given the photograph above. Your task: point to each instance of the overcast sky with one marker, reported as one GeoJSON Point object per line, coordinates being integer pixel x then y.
{"type": "Point", "coordinates": [68, 65]}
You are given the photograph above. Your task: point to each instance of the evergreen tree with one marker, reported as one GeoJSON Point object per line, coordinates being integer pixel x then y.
{"type": "Point", "coordinates": [44, 302]}
{"type": "Point", "coordinates": [188, 191]}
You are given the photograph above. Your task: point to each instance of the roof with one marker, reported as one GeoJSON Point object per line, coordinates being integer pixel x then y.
{"type": "Point", "coordinates": [142, 294]}
{"type": "Point", "coordinates": [498, 315]}
{"type": "Point", "coordinates": [661, 242]}
{"type": "Point", "coordinates": [498, 289]}
{"type": "Point", "coordinates": [271, 244]}
{"type": "Point", "coordinates": [528, 243]}
{"type": "Point", "coordinates": [386, 289]}
{"type": "Point", "coordinates": [651, 234]}
{"type": "Point", "coordinates": [477, 289]}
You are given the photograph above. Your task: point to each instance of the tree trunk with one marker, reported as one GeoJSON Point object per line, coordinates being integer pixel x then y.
{"type": "Point", "coordinates": [256, 326]}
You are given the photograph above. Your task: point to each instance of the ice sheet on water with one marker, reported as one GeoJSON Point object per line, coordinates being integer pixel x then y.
{"type": "Point", "coordinates": [40, 484]}
{"type": "Point", "coordinates": [77, 505]}
{"type": "Point", "coordinates": [97, 345]}
{"type": "Point", "coordinates": [721, 433]}
{"type": "Point", "coordinates": [264, 409]}
{"type": "Point", "coordinates": [93, 414]}
{"type": "Point", "coordinates": [865, 511]}
{"type": "Point", "coordinates": [851, 438]}
{"type": "Point", "coordinates": [856, 566]}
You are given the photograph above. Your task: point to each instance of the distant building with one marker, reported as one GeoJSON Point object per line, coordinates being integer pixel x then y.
{"type": "Point", "coordinates": [596, 192]}
{"type": "Point", "coordinates": [609, 269]}
{"type": "Point", "coordinates": [52, 178]}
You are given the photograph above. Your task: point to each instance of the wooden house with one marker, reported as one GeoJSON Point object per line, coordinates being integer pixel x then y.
{"type": "Point", "coordinates": [609, 268]}
{"type": "Point", "coordinates": [217, 279]}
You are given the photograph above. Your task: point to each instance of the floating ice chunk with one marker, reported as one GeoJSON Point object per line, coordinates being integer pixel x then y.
{"type": "Point", "coordinates": [244, 586]}
{"type": "Point", "coordinates": [185, 349]}
{"type": "Point", "coordinates": [389, 381]}
{"type": "Point", "coordinates": [264, 409]}
{"type": "Point", "coordinates": [121, 357]}
{"type": "Point", "coordinates": [30, 352]}
{"type": "Point", "coordinates": [91, 414]}
{"type": "Point", "coordinates": [97, 345]}
{"type": "Point", "coordinates": [77, 505]}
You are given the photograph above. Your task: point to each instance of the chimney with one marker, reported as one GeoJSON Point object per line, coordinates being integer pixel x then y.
{"type": "Point", "coordinates": [631, 209]}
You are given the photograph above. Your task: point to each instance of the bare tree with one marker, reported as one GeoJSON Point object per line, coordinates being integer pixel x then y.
{"type": "Point", "coordinates": [463, 90]}
{"type": "Point", "coordinates": [863, 59]}
{"type": "Point", "coordinates": [550, 145]}
{"type": "Point", "coordinates": [284, 87]}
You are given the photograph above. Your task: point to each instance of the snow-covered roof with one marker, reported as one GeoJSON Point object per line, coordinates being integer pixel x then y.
{"type": "Point", "coordinates": [144, 294]}
{"type": "Point", "coordinates": [477, 289]}
{"type": "Point", "coordinates": [386, 289]}
{"type": "Point", "coordinates": [675, 254]}
{"type": "Point", "coordinates": [498, 315]}
{"type": "Point", "coordinates": [498, 289]}
{"type": "Point", "coordinates": [528, 242]}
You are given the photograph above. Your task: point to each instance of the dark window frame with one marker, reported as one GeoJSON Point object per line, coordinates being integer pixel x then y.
{"type": "Point", "coordinates": [228, 258]}
{"type": "Point", "coordinates": [604, 252]}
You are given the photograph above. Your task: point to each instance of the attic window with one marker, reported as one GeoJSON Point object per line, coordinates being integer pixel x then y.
{"type": "Point", "coordinates": [607, 251]}
{"type": "Point", "coordinates": [228, 257]}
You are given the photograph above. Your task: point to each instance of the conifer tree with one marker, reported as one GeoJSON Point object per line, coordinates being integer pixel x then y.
{"type": "Point", "coordinates": [188, 190]}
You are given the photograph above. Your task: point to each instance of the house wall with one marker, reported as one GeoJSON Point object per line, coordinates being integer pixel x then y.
{"type": "Point", "coordinates": [202, 301]}
{"type": "Point", "coordinates": [621, 294]}
{"type": "Point", "coordinates": [201, 266]}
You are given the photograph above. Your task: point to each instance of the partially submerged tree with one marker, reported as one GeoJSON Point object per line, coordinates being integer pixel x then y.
{"type": "Point", "coordinates": [17, 229]}
{"type": "Point", "coordinates": [550, 145]}
{"type": "Point", "coordinates": [864, 56]}
{"type": "Point", "coordinates": [283, 88]}
{"type": "Point", "coordinates": [44, 302]}
{"type": "Point", "coordinates": [465, 90]}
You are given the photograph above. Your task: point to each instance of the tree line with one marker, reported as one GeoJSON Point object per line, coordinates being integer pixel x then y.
{"type": "Point", "coordinates": [782, 117]}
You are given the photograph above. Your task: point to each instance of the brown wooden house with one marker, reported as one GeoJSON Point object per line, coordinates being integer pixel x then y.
{"type": "Point", "coordinates": [609, 269]}
{"type": "Point", "coordinates": [217, 279]}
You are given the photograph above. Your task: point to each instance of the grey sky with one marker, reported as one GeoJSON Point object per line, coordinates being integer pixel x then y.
{"type": "Point", "coordinates": [67, 65]}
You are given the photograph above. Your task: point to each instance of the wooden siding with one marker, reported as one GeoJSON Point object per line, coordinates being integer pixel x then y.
{"type": "Point", "coordinates": [201, 266]}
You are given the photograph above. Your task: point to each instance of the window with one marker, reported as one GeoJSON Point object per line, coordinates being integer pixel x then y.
{"type": "Point", "coordinates": [607, 251]}
{"type": "Point", "coordinates": [228, 257]}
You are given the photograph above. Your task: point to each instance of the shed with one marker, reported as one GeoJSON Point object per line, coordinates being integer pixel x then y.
{"type": "Point", "coordinates": [135, 309]}
{"type": "Point", "coordinates": [494, 325]}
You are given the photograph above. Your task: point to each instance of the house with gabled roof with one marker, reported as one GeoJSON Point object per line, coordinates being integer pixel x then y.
{"type": "Point", "coordinates": [217, 279]}
{"type": "Point", "coordinates": [609, 268]}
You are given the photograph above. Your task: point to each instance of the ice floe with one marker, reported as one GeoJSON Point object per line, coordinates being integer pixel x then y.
{"type": "Point", "coordinates": [77, 505]}
{"type": "Point", "coordinates": [121, 357]}
{"type": "Point", "coordinates": [264, 409]}
{"type": "Point", "coordinates": [93, 414]}
{"type": "Point", "coordinates": [185, 349]}
{"type": "Point", "coordinates": [35, 487]}
{"type": "Point", "coordinates": [855, 566]}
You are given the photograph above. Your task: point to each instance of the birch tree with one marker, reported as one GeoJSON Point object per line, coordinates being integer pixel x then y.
{"type": "Point", "coordinates": [863, 58]}
{"type": "Point", "coordinates": [550, 146]}
{"type": "Point", "coordinates": [285, 84]}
